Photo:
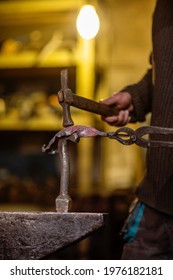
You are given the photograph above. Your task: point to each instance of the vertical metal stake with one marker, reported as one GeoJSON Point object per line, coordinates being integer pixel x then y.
{"type": "Point", "coordinates": [63, 201]}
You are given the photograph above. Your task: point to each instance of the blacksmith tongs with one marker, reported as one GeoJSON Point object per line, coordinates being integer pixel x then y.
{"type": "Point", "coordinates": [128, 136]}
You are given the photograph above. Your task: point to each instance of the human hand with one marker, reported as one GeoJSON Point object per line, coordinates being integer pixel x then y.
{"type": "Point", "coordinates": [123, 102]}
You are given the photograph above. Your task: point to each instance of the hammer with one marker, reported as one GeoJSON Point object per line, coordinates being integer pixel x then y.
{"type": "Point", "coordinates": [67, 98]}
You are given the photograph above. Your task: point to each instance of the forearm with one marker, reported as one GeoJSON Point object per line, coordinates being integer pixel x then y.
{"type": "Point", "coordinates": [141, 93]}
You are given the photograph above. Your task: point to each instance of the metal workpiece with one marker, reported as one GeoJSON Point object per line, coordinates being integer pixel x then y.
{"type": "Point", "coordinates": [72, 133]}
{"type": "Point", "coordinates": [36, 235]}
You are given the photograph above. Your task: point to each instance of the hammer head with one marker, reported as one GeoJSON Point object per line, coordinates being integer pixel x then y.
{"type": "Point", "coordinates": [65, 100]}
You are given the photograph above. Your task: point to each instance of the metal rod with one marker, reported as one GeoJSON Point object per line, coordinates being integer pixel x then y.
{"type": "Point", "coordinates": [65, 168]}
{"type": "Point", "coordinates": [63, 201]}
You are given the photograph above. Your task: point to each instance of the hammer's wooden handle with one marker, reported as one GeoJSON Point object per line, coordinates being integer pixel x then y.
{"type": "Point", "coordinates": [92, 106]}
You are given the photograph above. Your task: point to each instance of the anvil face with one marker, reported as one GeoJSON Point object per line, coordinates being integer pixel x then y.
{"type": "Point", "coordinates": [35, 235]}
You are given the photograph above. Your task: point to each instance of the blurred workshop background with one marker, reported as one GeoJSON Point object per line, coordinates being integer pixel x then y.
{"type": "Point", "coordinates": [37, 40]}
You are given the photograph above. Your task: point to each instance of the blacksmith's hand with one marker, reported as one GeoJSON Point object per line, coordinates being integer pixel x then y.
{"type": "Point", "coordinates": [123, 102]}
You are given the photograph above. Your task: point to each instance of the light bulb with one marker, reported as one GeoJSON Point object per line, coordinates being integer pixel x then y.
{"type": "Point", "coordinates": [88, 22]}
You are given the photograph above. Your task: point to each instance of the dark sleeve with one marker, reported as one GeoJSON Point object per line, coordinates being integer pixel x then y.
{"type": "Point", "coordinates": [141, 93]}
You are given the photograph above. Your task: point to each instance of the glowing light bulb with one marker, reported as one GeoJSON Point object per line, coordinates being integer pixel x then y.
{"type": "Point", "coordinates": [88, 22]}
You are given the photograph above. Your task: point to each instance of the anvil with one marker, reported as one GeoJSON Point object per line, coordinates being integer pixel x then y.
{"type": "Point", "coordinates": [35, 235]}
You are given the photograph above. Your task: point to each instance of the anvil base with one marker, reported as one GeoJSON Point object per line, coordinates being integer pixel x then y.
{"type": "Point", "coordinates": [35, 235]}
